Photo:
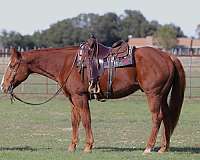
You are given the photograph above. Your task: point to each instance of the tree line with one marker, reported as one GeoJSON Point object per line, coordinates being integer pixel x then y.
{"type": "Point", "coordinates": [108, 28]}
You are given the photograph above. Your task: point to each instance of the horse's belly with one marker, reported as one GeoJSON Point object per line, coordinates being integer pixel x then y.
{"type": "Point", "coordinates": [125, 91]}
{"type": "Point", "coordinates": [123, 83]}
{"type": "Point", "coordinates": [119, 91]}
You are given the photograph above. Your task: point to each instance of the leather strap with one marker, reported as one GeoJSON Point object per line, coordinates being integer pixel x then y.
{"type": "Point", "coordinates": [110, 76]}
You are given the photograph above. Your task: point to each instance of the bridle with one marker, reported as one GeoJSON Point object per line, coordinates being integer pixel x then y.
{"type": "Point", "coordinates": [13, 75]}
{"type": "Point", "coordinates": [11, 87]}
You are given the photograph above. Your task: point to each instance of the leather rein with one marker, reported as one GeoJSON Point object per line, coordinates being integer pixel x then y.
{"type": "Point", "coordinates": [13, 95]}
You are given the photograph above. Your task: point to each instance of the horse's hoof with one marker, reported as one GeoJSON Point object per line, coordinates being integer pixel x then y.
{"type": "Point", "coordinates": [163, 150]}
{"type": "Point", "coordinates": [147, 151]}
{"type": "Point", "coordinates": [72, 148]}
{"type": "Point", "coordinates": [88, 148]}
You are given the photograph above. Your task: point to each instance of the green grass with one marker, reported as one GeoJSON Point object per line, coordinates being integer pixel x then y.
{"type": "Point", "coordinates": [120, 127]}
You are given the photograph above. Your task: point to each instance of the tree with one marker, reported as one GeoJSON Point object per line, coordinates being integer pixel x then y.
{"type": "Point", "coordinates": [27, 42]}
{"type": "Point", "coordinates": [37, 39]}
{"type": "Point", "coordinates": [165, 37]}
{"type": "Point", "coordinates": [84, 25]}
{"type": "Point", "coordinates": [107, 28]}
{"type": "Point", "coordinates": [179, 32]}
{"type": "Point", "coordinates": [11, 39]}
{"type": "Point", "coordinates": [153, 27]}
{"type": "Point", "coordinates": [135, 24]}
{"type": "Point", "coordinates": [131, 23]}
{"type": "Point", "coordinates": [3, 38]}
{"type": "Point", "coordinates": [198, 31]}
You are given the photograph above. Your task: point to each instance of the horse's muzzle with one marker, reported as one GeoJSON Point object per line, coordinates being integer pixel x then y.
{"type": "Point", "coordinates": [3, 89]}
{"type": "Point", "coordinates": [6, 90]}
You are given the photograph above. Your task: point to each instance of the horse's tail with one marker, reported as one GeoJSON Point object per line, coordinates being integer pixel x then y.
{"type": "Point", "coordinates": [177, 92]}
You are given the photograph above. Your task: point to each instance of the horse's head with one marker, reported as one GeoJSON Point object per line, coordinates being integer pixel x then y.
{"type": "Point", "coordinates": [16, 72]}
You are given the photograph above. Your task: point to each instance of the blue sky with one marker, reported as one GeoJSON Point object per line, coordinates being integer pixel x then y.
{"type": "Point", "coordinates": [27, 16]}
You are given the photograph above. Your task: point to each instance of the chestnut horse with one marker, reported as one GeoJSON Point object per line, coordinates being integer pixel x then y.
{"type": "Point", "coordinates": [157, 74]}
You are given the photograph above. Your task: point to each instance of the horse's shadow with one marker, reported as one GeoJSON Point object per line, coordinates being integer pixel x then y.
{"type": "Point", "coordinates": [117, 149]}
{"type": "Point", "coordinates": [192, 150]}
{"type": "Point", "coordinates": [23, 148]}
{"type": "Point", "coordinates": [185, 149]}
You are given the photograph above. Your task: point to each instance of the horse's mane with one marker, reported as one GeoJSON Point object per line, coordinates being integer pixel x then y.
{"type": "Point", "coordinates": [68, 48]}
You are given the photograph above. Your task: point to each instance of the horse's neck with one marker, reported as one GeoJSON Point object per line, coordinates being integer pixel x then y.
{"type": "Point", "coordinates": [48, 65]}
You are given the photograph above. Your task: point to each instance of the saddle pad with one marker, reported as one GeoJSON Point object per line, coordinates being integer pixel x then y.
{"type": "Point", "coordinates": [118, 62]}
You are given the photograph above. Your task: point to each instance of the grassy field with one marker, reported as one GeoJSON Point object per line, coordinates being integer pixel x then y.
{"type": "Point", "coordinates": [120, 127]}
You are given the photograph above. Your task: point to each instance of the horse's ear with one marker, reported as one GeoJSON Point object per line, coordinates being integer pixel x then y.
{"type": "Point", "coordinates": [15, 53]}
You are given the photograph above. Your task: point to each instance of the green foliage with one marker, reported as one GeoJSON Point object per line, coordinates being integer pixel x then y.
{"type": "Point", "coordinates": [166, 36]}
{"type": "Point", "coordinates": [107, 28]}
{"type": "Point", "coordinates": [13, 39]}
{"type": "Point", "coordinates": [135, 24]}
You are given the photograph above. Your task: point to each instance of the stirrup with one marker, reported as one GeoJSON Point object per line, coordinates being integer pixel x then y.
{"type": "Point", "coordinates": [94, 88]}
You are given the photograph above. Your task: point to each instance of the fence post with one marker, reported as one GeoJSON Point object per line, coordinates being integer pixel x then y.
{"type": "Point", "coordinates": [190, 54]}
{"type": "Point", "coordinates": [190, 77]}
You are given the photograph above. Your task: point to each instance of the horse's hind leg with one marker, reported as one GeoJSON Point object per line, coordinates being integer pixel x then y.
{"type": "Point", "coordinates": [82, 103]}
{"type": "Point", "coordinates": [155, 108]}
{"type": "Point", "coordinates": [165, 142]}
{"type": "Point", "coordinates": [75, 120]}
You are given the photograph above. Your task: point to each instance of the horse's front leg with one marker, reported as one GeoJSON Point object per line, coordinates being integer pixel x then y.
{"type": "Point", "coordinates": [75, 120]}
{"type": "Point", "coordinates": [82, 103]}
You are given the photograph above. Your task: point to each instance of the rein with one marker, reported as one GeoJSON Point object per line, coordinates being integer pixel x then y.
{"type": "Point", "coordinates": [13, 96]}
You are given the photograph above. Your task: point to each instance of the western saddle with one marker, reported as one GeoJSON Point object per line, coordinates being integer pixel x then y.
{"type": "Point", "coordinates": [96, 57]}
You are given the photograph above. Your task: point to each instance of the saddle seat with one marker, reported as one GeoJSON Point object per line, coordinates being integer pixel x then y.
{"type": "Point", "coordinates": [118, 49]}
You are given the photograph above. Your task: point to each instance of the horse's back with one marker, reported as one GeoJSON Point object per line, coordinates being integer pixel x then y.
{"type": "Point", "coordinates": [152, 57]}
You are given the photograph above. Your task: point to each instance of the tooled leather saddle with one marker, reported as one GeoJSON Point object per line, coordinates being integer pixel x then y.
{"type": "Point", "coordinates": [96, 57]}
